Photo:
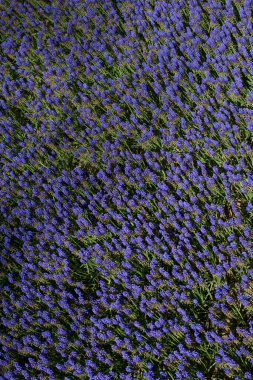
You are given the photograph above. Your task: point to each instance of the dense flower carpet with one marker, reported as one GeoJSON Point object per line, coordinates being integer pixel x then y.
{"type": "Point", "coordinates": [126, 189]}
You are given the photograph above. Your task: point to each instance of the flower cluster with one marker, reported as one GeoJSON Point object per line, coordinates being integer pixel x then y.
{"type": "Point", "coordinates": [126, 189]}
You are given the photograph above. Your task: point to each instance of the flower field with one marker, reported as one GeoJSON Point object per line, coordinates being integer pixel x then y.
{"type": "Point", "coordinates": [126, 189]}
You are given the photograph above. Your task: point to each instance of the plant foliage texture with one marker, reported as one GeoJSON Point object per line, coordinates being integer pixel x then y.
{"type": "Point", "coordinates": [126, 189]}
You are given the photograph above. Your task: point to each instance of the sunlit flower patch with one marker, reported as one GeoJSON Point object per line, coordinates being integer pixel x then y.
{"type": "Point", "coordinates": [126, 190]}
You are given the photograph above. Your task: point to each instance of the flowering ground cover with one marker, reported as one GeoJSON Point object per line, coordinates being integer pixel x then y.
{"type": "Point", "coordinates": [126, 189]}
